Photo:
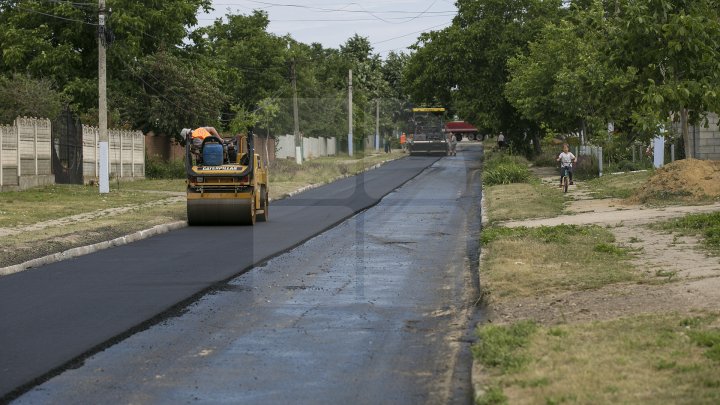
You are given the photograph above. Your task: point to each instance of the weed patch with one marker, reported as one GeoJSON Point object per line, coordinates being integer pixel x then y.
{"type": "Point", "coordinates": [537, 201]}
{"type": "Point", "coordinates": [639, 359]}
{"type": "Point", "coordinates": [705, 225]}
{"type": "Point", "coordinates": [617, 185]}
{"type": "Point", "coordinates": [499, 346]}
{"type": "Point", "coordinates": [522, 262]}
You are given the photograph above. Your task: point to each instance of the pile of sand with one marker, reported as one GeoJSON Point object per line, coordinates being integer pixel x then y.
{"type": "Point", "coordinates": [687, 180]}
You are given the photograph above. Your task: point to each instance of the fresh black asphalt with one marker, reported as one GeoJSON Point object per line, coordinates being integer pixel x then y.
{"type": "Point", "coordinates": [59, 313]}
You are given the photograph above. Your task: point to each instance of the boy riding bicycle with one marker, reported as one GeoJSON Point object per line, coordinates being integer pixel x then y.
{"type": "Point", "coordinates": [566, 159]}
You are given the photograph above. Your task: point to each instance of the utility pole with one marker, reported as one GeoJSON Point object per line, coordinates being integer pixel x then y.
{"type": "Point", "coordinates": [377, 125]}
{"type": "Point", "coordinates": [102, 104]}
{"type": "Point", "coordinates": [350, 111]}
{"type": "Point", "coordinates": [296, 128]}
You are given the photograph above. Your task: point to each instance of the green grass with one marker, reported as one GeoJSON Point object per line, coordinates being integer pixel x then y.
{"type": "Point", "coordinates": [501, 168]}
{"type": "Point", "coordinates": [617, 185]}
{"type": "Point", "coordinates": [499, 346]}
{"type": "Point", "coordinates": [538, 201]}
{"type": "Point", "coordinates": [643, 359]}
{"type": "Point", "coordinates": [528, 262]}
{"type": "Point", "coordinates": [51, 202]}
{"type": "Point", "coordinates": [705, 225]}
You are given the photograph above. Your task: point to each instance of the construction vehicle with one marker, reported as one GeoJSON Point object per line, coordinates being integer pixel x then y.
{"type": "Point", "coordinates": [427, 135]}
{"type": "Point", "coordinates": [227, 183]}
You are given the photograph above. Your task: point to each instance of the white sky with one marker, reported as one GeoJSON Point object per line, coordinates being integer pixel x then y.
{"type": "Point", "coordinates": [390, 25]}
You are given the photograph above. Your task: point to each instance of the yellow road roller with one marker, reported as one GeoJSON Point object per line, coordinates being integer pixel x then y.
{"type": "Point", "coordinates": [227, 183]}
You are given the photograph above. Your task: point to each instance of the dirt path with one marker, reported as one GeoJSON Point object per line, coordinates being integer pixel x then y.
{"type": "Point", "coordinates": [680, 276]}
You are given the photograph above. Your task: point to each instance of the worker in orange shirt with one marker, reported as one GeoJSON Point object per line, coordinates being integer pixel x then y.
{"type": "Point", "coordinates": [198, 135]}
{"type": "Point", "coordinates": [403, 139]}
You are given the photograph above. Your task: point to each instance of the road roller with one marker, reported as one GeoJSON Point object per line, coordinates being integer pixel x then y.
{"type": "Point", "coordinates": [227, 183]}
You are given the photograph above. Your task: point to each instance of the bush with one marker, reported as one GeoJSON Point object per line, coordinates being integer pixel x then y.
{"type": "Point", "coordinates": [506, 173]}
{"type": "Point", "coordinates": [156, 168]}
{"type": "Point", "coordinates": [501, 168]}
{"type": "Point", "coordinates": [546, 159]}
{"type": "Point", "coordinates": [586, 167]}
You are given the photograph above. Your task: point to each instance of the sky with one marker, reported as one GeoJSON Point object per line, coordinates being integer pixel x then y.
{"type": "Point", "coordinates": [390, 25]}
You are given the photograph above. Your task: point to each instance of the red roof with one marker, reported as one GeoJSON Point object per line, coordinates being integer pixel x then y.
{"type": "Point", "coordinates": [459, 126]}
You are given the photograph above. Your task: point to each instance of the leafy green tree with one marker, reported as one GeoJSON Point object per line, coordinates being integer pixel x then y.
{"type": "Point", "coordinates": [564, 82]}
{"type": "Point", "coordinates": [252, 63]}
{"type": "Point", "coordinates": [175, 93]}
{"type": "Point", "coordinates": [57, 40]}
{"type": "Point", "coordinates": [467, 62]}
{"type": "Point", "coordinates": [21, 95]}
{"type": "Point", "coordinates": [674, 46]}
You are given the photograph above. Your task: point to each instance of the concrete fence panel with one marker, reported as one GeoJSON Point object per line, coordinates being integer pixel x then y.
{"type": "Point", "coordinates": [26, 154]}
{"type": "Point", "coordinates": [127, 153]}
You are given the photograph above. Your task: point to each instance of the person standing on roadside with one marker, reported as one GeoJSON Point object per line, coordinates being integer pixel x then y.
{"type": "Point", "coordinates": [501, 141]}
{"type": "Point", "coordinates": [387, 143]}
{"type": "Point", "coordinates": [452, 141]}
{"type": "Point", "coordinates": [403, 139]}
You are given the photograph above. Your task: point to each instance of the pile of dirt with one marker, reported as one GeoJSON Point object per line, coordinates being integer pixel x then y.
{"type": "Point", "coordinates": [689, 180]}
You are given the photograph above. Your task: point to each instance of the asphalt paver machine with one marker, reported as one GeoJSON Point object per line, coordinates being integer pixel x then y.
{"type": "Point", "coordinates": [428, 136]}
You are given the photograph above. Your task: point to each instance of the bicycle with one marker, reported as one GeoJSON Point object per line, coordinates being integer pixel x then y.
{"type": "Point", "coordinates": [565, 177]}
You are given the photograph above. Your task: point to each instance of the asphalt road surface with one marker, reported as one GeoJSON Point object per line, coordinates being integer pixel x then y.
{"type": "Point", "coordinates": [374, 310]}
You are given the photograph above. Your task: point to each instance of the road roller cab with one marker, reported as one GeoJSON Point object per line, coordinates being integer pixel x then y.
{"type": "Point", "coordinates": [227, 183]}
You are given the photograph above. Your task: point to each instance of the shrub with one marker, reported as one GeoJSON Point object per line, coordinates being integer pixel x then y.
{"type": "Point", "coordinates": [546, 159]}
{"type": "Point", "coordinates": [506, 173]}
{"type": "Point", "coordinates": [586, 167]}
{"type": "Point", "coordinates": [156, 168]}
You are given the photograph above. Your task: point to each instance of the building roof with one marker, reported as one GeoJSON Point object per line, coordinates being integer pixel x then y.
{"type": "Point", "coordinates": [460, 126]}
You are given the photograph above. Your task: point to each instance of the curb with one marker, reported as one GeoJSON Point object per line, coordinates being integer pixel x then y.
{"type": "Point", "coordinates": [146, 233]}
{"type": "Point", "coordinates": [84, 250]}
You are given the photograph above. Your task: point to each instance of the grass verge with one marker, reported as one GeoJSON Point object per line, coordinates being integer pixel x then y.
{"type": "Point", "coordinates": [640, 359]}
{"type": "Point", "coordinates": [524, 262]}
{"type": "Point", "coordinates": [617, 185]}
{"type": "Point", "coordinates": [538, 201]}
{"type": "Point", "coordinates": [57, 201]}
{"type": "Point", "coordinates": [705, 225]}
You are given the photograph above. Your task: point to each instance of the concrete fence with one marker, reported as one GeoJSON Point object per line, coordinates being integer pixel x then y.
{"type": "Point", "coordinates": [312, 147]}
{"type": "Point", "coordinates": [26, 154]}
{"type": "Point", "coordinates": [127, 153]}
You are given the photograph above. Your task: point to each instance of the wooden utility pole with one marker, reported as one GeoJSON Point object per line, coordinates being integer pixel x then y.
{"type": "Point", "coordinates": [296, 127]}
{"type": "Point", "coordinates": [350, 114]}
{"type": "Point", "coordinates": [102, 104]}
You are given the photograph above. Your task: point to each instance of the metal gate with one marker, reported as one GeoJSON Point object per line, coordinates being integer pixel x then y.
{"type": "Point", "coordinates": [67, 146]}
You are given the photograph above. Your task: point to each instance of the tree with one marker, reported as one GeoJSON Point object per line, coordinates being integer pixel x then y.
{"type": "Point", "coordinates": [467, 62]}
{"type": "Point", "coordinates": [252, 63]}
{"type": "Point", "coordinates": [57, 40]}
{"type": "Point", "coordinates": [175, 93]}
{"type": "Point", "coordinates": [21, 95]}
{"type": "Point", "coordinates": [565, 82]}
{"type": "Point", "coordinates": [674, 46]}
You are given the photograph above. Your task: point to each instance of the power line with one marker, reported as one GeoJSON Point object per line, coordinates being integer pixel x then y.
{"type": "Point", "coordinates": [324, 9]}
{"type": "Point", "coordinates": [53, 15]}
{"type": "Point", "coordinates": [342, 19]}
{"type": "Point", "coordinates": [411, 33]}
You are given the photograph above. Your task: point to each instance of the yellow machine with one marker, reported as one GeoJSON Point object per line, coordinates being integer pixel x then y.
{"type": "Point", "coordinates": [227, 183]}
